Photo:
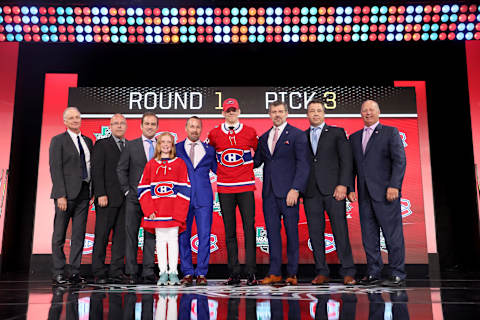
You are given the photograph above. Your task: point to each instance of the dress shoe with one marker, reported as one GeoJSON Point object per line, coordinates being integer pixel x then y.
{"type": "Point", "coordinates": [119, 278]}
{"type": "Point", "coordinates": [150, 279]}
{"type": "Point", "coordinates": [320, 279]}
{"type": "Point", "coordinates": [394, 281]}
{"type": "Point", "coordinates": [60, 280]}
{"type": "Point", "coordinates": [132, 279]}
{"type": "Point", "coordinates": [369, 281]}
{"type": "Point", "coordinates": [291, 280]}
{"type": "Point", "coordinates": [201, 281]}
{"type": "Point", "coordinates": [349, 281]}
{"type": "Point", "coordinates": [77, 279]}
{"type": "Point", "coordinates": [252, 280]}
{"type": "Point", "coordinates": [101, 280]}
{"type": "Point", "coordinates": [233, 280]}
{"type": "Point", "coordinates": [187, 280]}
{"type": "Point", "coordinates": [272, 279]}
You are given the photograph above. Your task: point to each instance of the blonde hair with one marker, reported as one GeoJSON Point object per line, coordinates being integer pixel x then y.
{"type": "Point", "coordinates": [158, 152]}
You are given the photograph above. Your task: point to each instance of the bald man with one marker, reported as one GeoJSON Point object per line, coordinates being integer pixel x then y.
{"type": "Point", "coordinates": [69, 158]}
{"type": "Point", "coordinates": [379, 164]}
{"type": "Point", "coordinates": [109, 204]}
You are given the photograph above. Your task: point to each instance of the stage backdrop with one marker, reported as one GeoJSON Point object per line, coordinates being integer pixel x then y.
{"type": "Point", "coordinates": [174, 104]}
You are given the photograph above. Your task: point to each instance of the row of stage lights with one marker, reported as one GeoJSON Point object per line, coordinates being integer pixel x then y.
{"type": "Point", "coordinates": [240, 25]}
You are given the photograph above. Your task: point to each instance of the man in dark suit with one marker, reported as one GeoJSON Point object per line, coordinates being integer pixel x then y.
{"type": "Point", "coordinates": [69, 158]}
{"type": "Point", "coordinates": [130, 169]}
{"type": "Point", "coordinates": [380, 167]}
{"type": "Point", "coordinates": [109, 203]}
{"type": "Point", "coordinates": [200, 160]}
{"type": "Point", "coordinates": [331, 173]}
{"type": "Point", "coordinates": [283, 151]}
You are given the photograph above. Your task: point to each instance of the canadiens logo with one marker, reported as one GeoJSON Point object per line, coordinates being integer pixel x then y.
{"type": "Point", "coordinates": [164, 189]}
{"type": "Point", "coordinates": [232, 158]}
{"type": "Point", "coordinates": [88, 243]}
{"type": "Point", "coordinates": [349, 209]}
{"type": "Point", "coordinates": [262, 240]}
{"type": "Point", "coordinates": [406, 207]}
{"type": "Point", "coordinates": [213, 243]}
{"type": "Point", "coordinates": [404, 139]}
{"type": "Point", "coordinates": [329, 243]}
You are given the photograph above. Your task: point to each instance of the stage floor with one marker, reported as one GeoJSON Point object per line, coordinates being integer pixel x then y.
{"type": "Point", "coordinates": [420, 299]}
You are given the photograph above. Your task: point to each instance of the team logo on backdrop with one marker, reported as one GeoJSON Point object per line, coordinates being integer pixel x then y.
{"type": "Point", "coordinates": [232, 158]}
{"type": "Point", "coordinates": [329, 243]}
{"type": "Point", "coordinates": [349, 209]}
{"type": "Point", "coordinates": [404, 139]}
{"type": "Point", "coordinates": [164, 189]}
{"type": "Point", "coordinates": [262, 240]}
{"type": "Point", "coordinates": [175, 137]}
{"type": "Point", "coordinates": [213, 177]}
{"type": "Point", "coordinates": [406, 207]}
{"type": "Point", "coordinates": [88, 243]}
{"type": "Point", "coordinates": [333, 309]}
{"type": "Point", "coordinates": [212, 309]}
{"type": "Point", "coordinates": [383, 243]}
{"type": "Point", "coordinates": [213, 243]}
{"type": "Point", "coordinates": [216, 205]}
{"type": "Point", "coordinates": [141, 238]}
{"type": "Point", "coordinates": [258, 172]}
{"type": "Point", "coordinates": [105, 132]}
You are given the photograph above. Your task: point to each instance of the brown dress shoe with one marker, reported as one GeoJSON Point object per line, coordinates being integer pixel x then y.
{"type": "Point", "coordinates": [349, 281]}
{"type": "Point", "coordinates": [187, 280]}
{"type": "Point", "coordinates": [201, 281]}
{"type": "Point", "coordinates": [320, 279]}
{"type": "Point", "coordinates": [271, 279]}
{"type": "Point", "coordinates": [291, 280]}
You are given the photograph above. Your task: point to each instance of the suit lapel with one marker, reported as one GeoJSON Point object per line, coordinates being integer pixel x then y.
{"type": "Point", "coordinates": [372, 139]}
{"type": "Point", "coordinates": [205, 147]}
{"type": "Point", "coordinates": [113, 144]}
{"type": "Point", "coordinates": [181, 150]}
{"type": "Point", "coordinates": [323, 133]}
{"type": "Point", "coordinates": [307, 132]}
{"type": "Point", "coordinates": [71, 144]}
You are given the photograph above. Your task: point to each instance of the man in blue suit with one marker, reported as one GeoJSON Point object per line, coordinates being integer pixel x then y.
{"type": "Point", "coordinates": [283, 151]}
{"type": "Point", "coordinates": [200, 160]}
{"type": "Point", "coordinates": [379, 164]}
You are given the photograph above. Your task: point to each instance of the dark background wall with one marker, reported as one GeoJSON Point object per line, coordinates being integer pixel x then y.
{"type": "Point", "coordinates": [442, 65]}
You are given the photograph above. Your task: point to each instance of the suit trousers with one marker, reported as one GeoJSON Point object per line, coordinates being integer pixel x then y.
{"type": "Point", "coordinates": [274, 209]}
{"type": "Point", "coordinates": [388, 216]}
{"type": "Point", "coordinates": [315, 208]}
{"type": "Point", "coordinates": [133, 218]}
{"type": "Point", "coordinates": [246, 205]}
{"type": "Point", "coordinates": [77, 210]}
{"type": "Point", "coordinates": [203, 219]}
{"type": "Point", "coordinates": [109, 219]}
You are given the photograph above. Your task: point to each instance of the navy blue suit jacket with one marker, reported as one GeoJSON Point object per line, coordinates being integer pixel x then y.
{"type": "Point", "coordinates": [383, 164]}
{"type": "Point", "coordinates": [288, 167]}
{"type": "Point", "coordinates": [202, 194]}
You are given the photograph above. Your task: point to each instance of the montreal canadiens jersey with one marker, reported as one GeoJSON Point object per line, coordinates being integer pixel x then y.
{"type": "Point", "coordinates": [234, 157]}
{"type": "Point", "coordinates": [164, 190]}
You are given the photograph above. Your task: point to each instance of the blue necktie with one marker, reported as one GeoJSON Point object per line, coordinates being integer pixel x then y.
{"type": "Point", "coordinates": [82, 160]}
{"type": "Point", "coordinates": [150, 150]}
{"type": "Point", "coordinates": [315, 137]}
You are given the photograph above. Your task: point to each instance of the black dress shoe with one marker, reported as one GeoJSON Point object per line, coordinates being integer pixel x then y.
{"type": "Point", "coordinates": [60, 280]}
{"type": "Point", "coordinates": [77, 279]}
{"type": "Point", "coordinates": [233, 280]}
{"type": "Point", "coordinates": [394, 281]}
{"type": "Point", "coordinates": [369, 281]}
{"type": "Point", "coordinates": [101, 280]}
{"type": "Point", "coordinates": [132, 279]}
{"type": "Point", "coordinates": [119, 278]}
{"type": "Point", "coordinates": [252, 280]}
{"type": "Point", "coordinates": [149, 279]}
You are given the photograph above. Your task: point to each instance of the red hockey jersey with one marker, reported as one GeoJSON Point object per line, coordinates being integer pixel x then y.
{"type": "Point", "coordinates": [234, 157]}
{"type": "Point", "coordinates": [164, 190]}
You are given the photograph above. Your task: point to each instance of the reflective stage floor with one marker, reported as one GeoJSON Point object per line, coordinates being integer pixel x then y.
{"type": "Point", "coordinates": [420, 299]}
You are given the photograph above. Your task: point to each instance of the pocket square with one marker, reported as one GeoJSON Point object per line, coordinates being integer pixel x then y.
{"type": "Point", "coordinates": [287, 142]}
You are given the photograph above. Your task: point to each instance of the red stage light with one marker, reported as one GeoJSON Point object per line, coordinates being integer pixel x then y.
{"type": "Point", "coordinates": [392, 10]}
{"type": "Point", "coordinates": [86, 20]}
{"type": "Point", "coordinates": [472, 8]}
{"type": "Point", "coordinates": [157, 21]}
{"type": "Point", "coordinates": [106, 38]}
{"type": "Point", "coordinates": [141, 39]}
{"type": "Point", "coordinates": [27, 37]}
{"type": "Point", "coordinates": [36, 38]}
{"type": "Point", "coordinates": [252, 20]}
{"type": "Point", "coordinates": [437, 9]}
{"type": "Point", "coordinates": [365, 19]}
{"type": "Point", "coordinates": [464, 8]}
{"type": "Point", "coordinates": [166, 30]}
{"type": "Point", "coordinates": [356, 19]}
{"type": "Point", "coordinates": [217, 20]}
{"type": "Point", "coordinates": [166, 39]}
{"type": "Point", "coordinates": [313, 29]}
{"type": "Point", "coordinates": [86, 11]}
{"type": "Point", "coordinates": [156, 12]}
{"type": "Point", "coordinates": [347, 29]}
{"type": "Point", "coordinates": [373, 28]}
{"type": "Point", "coordinates": [443, 27]}
{"type": "Point", "coordinates": [71, 29]}
{"type": "Point", "coordinates": [131, 39]}
{"type": "Point", "coordinates": [382, 28]}
{"type": "Point", "coordinates": [183, 21]}
{"type": "Point", "coordinates": [269, 29]}
{"type": "Point", "coordinates": [148, 21]}
{"type": "Point", "coordinates": [131, 29]}
{"type": "Point", "coordinates": [105, 29]}
{"type": "Point", "coordinates": [252, 11]}
{"type": "Point", "coordinates": [51, 10]}
{"type": "Point", "coordinates": [41, 10]}
{"type": "Point", "coordinates": [175, 30]}
{"type": "Point", "coordinates": [71, 38]}
{"type": "Point", "coordinates": [17, 19]}
{"type": "Point", "coordinates": [416, 36]}
{"type": "Point", "coordinates": [192, 20]}
{"type": "Point", "coordinates": [286, 11]}
{"type": "Point", "coordinates": [417, 28]}
{"type": "Point", "coordinates": [312, 38]}
{"type": "Point", "coordinates": [372, 37]}
{"type": "Point", "coordinates": [452, 27]}
{"type": "Point", "coordinates": [78, 20]}
{"type": "Point", "coordinates": [391, 19]}
{"type": "Point", "coordinates": [209, 29]}
{"type": "Point", "coordinates": [322, 20]}
{"type": "Point", "coordinates": [113, 11]}
{"type": "Point", "coordinates": [408, 28]}
{"type": "Point", "coordinates": [209, 38]}
{"type": "Point", "coordinates": [2, 37]}
{"type": "Point", "coordinates": [226, 11]}
{"type": "Point", "coordinates": [243, 39]}
{"type": "Point", "coordinates": [477, 36]}
{"type": "Point", "coordinates": [26, 28]}
{"type": "Point", "coordinates": [436, 18]}
{"type": "Point", "coordinates": [261, 11]}
{"type": "Point", "coordinates": [357, 10]}
{"type": "Point", "coordinates": [322, 11]}
{"type": "Point", "coordinates": [295, 20]}
{"type": "Point", "coordinates": [122, 11]}
{"type": "Point", "coordinates": [261, 20]}
{"type": "Point", "coordinates": [43, 20]}
{"type": "Point", "coordinates": [278, 38]}
{"type": "Point", "coordinates": [97, 38]}
{"type": "Point", "coordinates": [269, 38]}
{"type": "Point", "coordinates": [243, 29]}
{"type": "Point", "coordinates": [477, 27]}
{"type": "Point", "coordinates": [401, 10]}
{"type": "Point", "coordinates": [338, 37]}
{"type": "Point", "coordinates": [381, 37]}
{"type": "Point", "coordinates": [427, 9]}
{"type": "Point", "coordinates": [400, 19]}
{"type": "Point", "coordinates": [451, 36]}
{"type": "Point", "coordinates": [183, 11]}
{"type": "Point", "coordinates": [201, 30]}
{"type": "Point", "coordinates": [366, 10]}
{"type": "Point", "coordinates": [140, 30]}
{"type": "Point", "coordinates": [462, 18]}
{"type": "Point", "coordinates": [8, 19]}
{"type": "Point", "coordinates": [296, 11]}
{"type": "Point", "coordinates": [62, 29]}
{"type": "Point", "coordinates": [330, 20]}
{"type": "Point", "coordinates": [235, 38]}
{"type": "Point", "coordinates": [217, 11]}
{"type": "Point", "coordinates": [63, 38]}
{"type": "Point", "coordinates": [287, 20]}
{"type": "Point", "coordinates": [347, 38]}
{"type": "Point", "coordinates": [331, 10]}
{"type": "Point", "coordinates": [201, 39]}
{"type": "Point", "coordinates": [407, 37]}
{"type": "Point", "coordinates": [278, 29]}
{"type": "Point", "coordinates": [8, 10]}
{"type": "Point", "coordinates": [77, 11]}
{"type": "Point", "coordinates": [471, 17]}
{"type": "Point", "coordinates": [147, 12]}
{"type": "Point", "coordinates": [303, 29]}
{"type": "Point", "coordinates": [122, 21]}
{"type": "Point", "coordinates": [338, 29]}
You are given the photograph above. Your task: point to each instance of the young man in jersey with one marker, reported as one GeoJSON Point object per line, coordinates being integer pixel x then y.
{"type": "Point", "coordinates": [233, 142]}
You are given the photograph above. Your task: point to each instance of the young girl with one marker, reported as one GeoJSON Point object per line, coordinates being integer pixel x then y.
{"type": "Point", "coordinates": [164, 195]}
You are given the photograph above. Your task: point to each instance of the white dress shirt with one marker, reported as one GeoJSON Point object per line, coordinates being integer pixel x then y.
{"type": "Point", "coordinates": [85, 149]}
{"type": "Point", "coordinates": [199, 150]}
{"type": "Point", "coordinates": [272, 133]}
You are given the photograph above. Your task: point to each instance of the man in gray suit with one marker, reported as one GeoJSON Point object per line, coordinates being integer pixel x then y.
{"type": "Point", "coordinates": [69, 158]}
{"type": "Point", "coordinates": [130, 169]}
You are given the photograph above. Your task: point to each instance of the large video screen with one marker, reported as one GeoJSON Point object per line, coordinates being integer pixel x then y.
{"type": "Point", "coordinates": [173, 105]}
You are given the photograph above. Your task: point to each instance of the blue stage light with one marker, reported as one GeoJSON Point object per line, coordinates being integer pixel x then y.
{"type": "Point", "coordinates": [349, 10]}
{"type": "Point", "coordinates": [157, 39]}
{"type": "Point", "coordinates": [469, 36]}
{"type": "Point", "coordinates": [209, 20]}
{"type": "Point", "coordinates": [244, 11]}
{"type": "Point", "coordinates": [295, 38]}
{"type": "Point", "coordinates": [329, 38]}
{"type": "Point", "coordinates": [123, 38]}
{"type": "Point", "coordinates": [114, 30]}
{"type": "Point", "coordinates": [80, 38]}
{"type": "Point", "coordinates": [183, 29]}
{"type": "Point", "coordinates": [444, 18]}
{"type": "Point", "coordinates": [410, 9]}
{"type": "Point", "coordinates": [382, 19]}
{"type": "Point", "coordinates": [454, 8]}
{"type": "Point", "coordinates": [114, 38]}
{"type": "Point", "coordinates": [60, 20]}
{"type": "Point", "coordinates": [192, 30]}
{"type": "Point", "coordinates": [435, 27]}
{"type": "Point", "coordinates": [383, 10]}
{"type": "Point", "coordinates": [53, 29]}
{"type": "Point", "coordinates": [251, 29]}
{"type": "Point", "coordinates": [244, 20]}
{"type": "Point", "coordinates": [131, 20]}
{"type": "Point", "coordinates": [43, 28]}
{"type": "Point", "coordinates": [399, 37]}
{"type": "Point", "coordinates": [217, 29]}
{"type": "Point", "coordinates": [130, 11]}
{"type": "Point", "coordinates": [174, 11]}
{"type": "Point", "coordinates": [192, 39]}
{"type": "Point", "coordinates": [33, 10]}
{"type": "Point", "coordinates": [95, 20]}
{"type": "Point", "coordinates": [165, 12]}
{"type": "Point", "coordinates": [418, 18]}
{"type": "Point", "coordinates": [470, 26]}
{"type": "Point", "coordinates": [287, 29]}
{"type": "Point", "coordinates": [286, 38]}
{"type": "Point", "coordinates": [296, 29]}
{"type": "Point", "coordinates": [261, 38]}
{"type": "Point", "coordinates": [261, 29]}
{"type": "Point", "coordinates": [321, 29]}
{"type": "Point", "coordinates": [149, 39]}
{"type": "Point", "coordinates": [34, 20]}
{"type": "Point", "coordinates": [364, 37]}
{"type": "Point", "coordinates": [433, 36]}
{"type": "Point", "coordinates": [234, 21]}
{"type": "Point", "coordinates": [373, 19]}
{"type": "Point", "coordinates": [158, 29]}
{"type": "Point", "coordinates": [313, 11]}
{"type": "Point", "coordinates": [218, 38]}
{"type": "Point", "coordinates": [304, 20]}
{"type": "Point", "coordinates": [148, 30]}
{"type": "Point", "coordinates": [123, 29]}
{"type": "Point", "coordinates": [138, 11]}
{"type": "Point", "coordinates": [425, 36]}
{"type": "Point", "coordinates": [18, 28]}
{"type": "Point", "coordinates": [321, 38]}
{"type": "Point", "coordinates": [312, 20]}
{"type": "Point", "coordinates": [355, 37]}
{"type": "Point", "coordinates": [234, 11]}
{"type": "Point", "coordinates": [60, 10]}
{"type": "Point", "coordinates": [269, 20]}
{"type": "Point", "coordinates": [356, 28]}
{"type": "Point", "coordinates": [166, 21]}
{"type": "Point", "coordinates": [279, 11]}
{"type": "Point", "coordinates": [279, 20]}
{"type": "Point", "coordinates": [174, 21]}
{"type": "Point", "coordinates": [88, 38]}
{"type": "Point", "coordinates": [409, 19]}
{"type": "Point", "coordinates": [330, 29]}
{"type": "Point", "coordinates": [338, 11]}
{"type": "Point", "coordinates": [304, 11]}
{"type": "Point", "coordinates": [95, 11]}
{"type": "Point", "coordinates": [200, 11]}
{"type": "Point", "coordinates": [390, 37]}
{"type": "Point", "coordinates": [365, 28]}
{"type": "Point", "coordinates": [68, 10]}
{"type": "Point", "coordinates": [1, 19]}
{"type": "Point", "coordinates": [183, 38]}
{"type": "Point", "coordinates": [426, 28]}
{"type": "Point", "coordinates": [419, 9]}
{"type": "Point", "coordinates": [445, 8]}
{"type": "Point", "coordinates": [25, 20]}
{"type": "Point", "coordinates": [453, 18]}
{"type": "Point", "coordinates": [10, 37]}
{"type": "Point", "coordinates": [70, 20]}
{"type": "Point", "coordinates": [338, 20]}
{"type": "Point", "coordinates": [461, 27]}
{"type": "Point", "coordinates": [78, 29]}
{"type": "Point", "coordinates": [105, 20]}
{"type": "Point", "coordinates": [201, 21]}
{"type": "Point", "coordinates": [374, 10]}
{"type": "Point", "coordinates": [252, 38]}
{"type": "Point", "coordinates": [460, 36]}
{"type": "Point", "coordinates": [348, 20]}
